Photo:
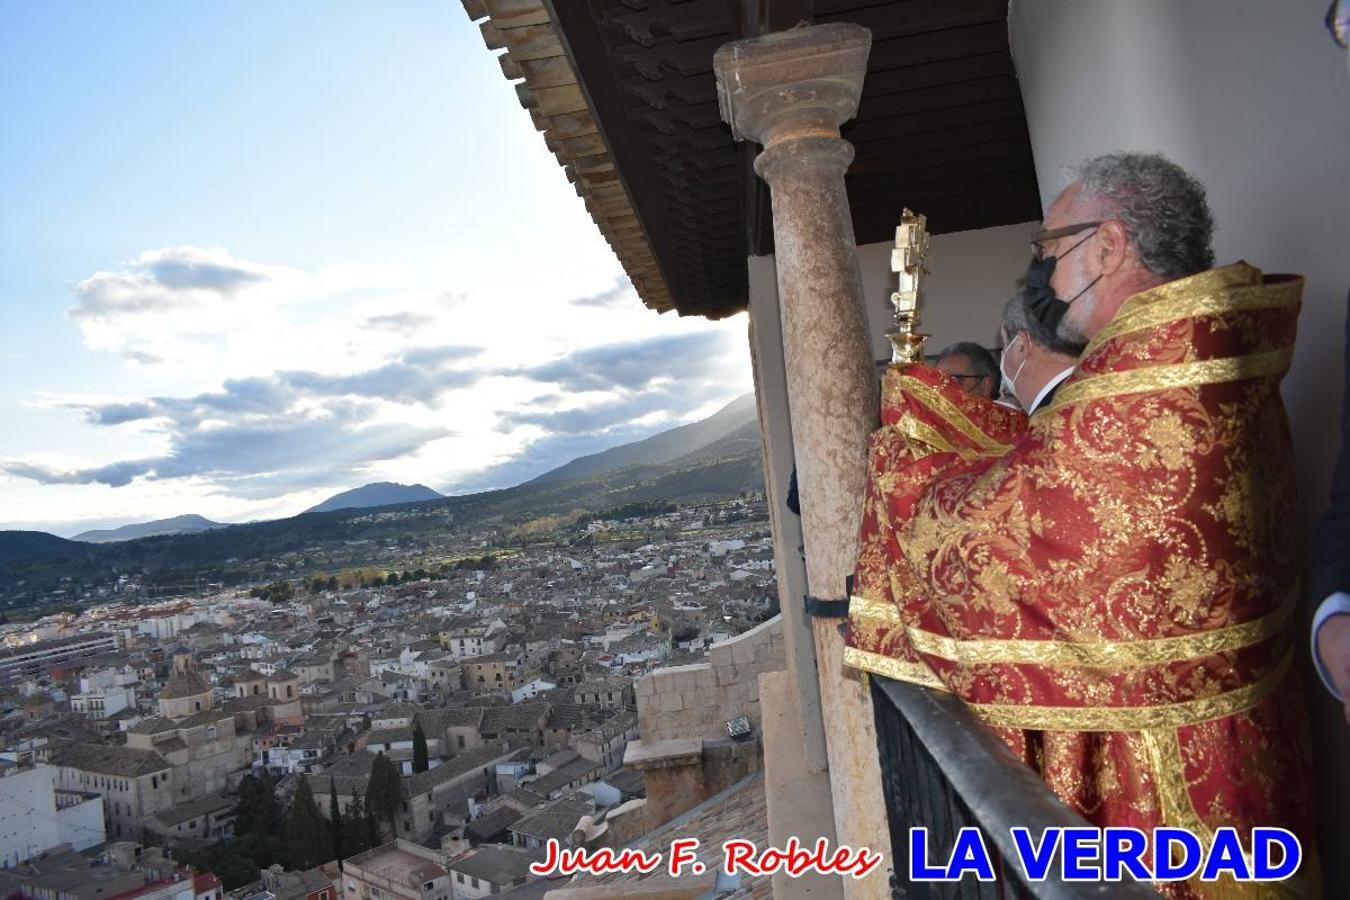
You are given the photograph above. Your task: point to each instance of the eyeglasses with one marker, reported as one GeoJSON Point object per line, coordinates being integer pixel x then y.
{"type": "Point", "coordinates": [1039, 239]}
{"type": "Point", "coordinates": [1338, 23]}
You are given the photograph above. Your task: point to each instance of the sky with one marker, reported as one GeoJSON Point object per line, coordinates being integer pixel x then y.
{"type": "Point", "coordinates": [255, 253]}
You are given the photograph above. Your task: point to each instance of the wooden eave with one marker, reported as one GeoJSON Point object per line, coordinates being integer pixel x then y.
{"type": "Point", "coordinates": [623, 91]}
{"type": "Point", "coordinates": [548, 88]}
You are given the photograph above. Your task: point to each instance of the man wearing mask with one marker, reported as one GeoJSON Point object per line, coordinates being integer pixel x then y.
{"type": "Point", "coordinates": [972, 366]}
{"type": "Point", "coordinates": [1112, 593]}
{"type": "Point", "coordinates": [1035, 360]}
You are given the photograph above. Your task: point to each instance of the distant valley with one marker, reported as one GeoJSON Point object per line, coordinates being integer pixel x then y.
{"type": "Point", "coordinates": [705, 461]}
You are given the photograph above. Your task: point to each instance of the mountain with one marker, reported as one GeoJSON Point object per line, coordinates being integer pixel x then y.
{"type": "Point", "coordinates": [379, 493]}
{"type": "Point", "coordinates": [38, 545]}
{"type": "Point", "coordinates": [662, 448]}
{"type": "Point", "coordinates": [187, 524]}
{"type": "Point", "coordinates": [703, 462]}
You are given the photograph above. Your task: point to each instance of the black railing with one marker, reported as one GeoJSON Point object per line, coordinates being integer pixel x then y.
{"type": "Point", "coordinates": [942, 769]}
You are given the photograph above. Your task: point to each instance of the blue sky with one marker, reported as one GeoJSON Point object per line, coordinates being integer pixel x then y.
{"type": "Point", "coordinates": [253, 253]}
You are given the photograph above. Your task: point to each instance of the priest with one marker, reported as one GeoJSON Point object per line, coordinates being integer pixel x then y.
{"type": "Point", "coordinates": [1109, 583]}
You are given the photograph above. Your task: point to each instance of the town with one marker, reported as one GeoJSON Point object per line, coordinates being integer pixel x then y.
{"type": "Point", "coordinates": [421, 734]}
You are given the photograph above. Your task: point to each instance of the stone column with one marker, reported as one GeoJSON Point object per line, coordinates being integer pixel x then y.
{"type": "Point", "coordinates": [790, 91]}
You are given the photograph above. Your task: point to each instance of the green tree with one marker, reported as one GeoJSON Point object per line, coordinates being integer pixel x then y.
{"type": "Point", "coordinates": [335, 819]}
{"type": "Point", "coordinates": [258, 814]}
{"type": "Point", "coordinates": [384, 794]}
{"type": "Point", "coordinates": [306, 831]}
{"type": "Point", "coordinates": [332, 582]}
{"type": "Point", "coordinates": [357, 833]}
{"type": "Point", "coordinates": [420, 760]}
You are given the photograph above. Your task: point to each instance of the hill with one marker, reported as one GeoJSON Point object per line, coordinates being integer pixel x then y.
{"type": "Point", "coordinates": [186, 524]}
{"type": "Point", "coordinates": [38, 545]}
{"type": "Point", "coordinates": [696, 465]}
{"type": "Point", "coordinates": [662, 448]}
{"type": "Point", "coordinates": [379, 493]}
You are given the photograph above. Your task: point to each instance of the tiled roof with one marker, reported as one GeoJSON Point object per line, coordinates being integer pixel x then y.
{"type": "Point", "coordinates": [737, 812]}
{"type": "Point", "coordinates": [106, 760]}
{"type": "Point", "coordinates": [557, 820]}
{"type": "Point", "coordinates": [487, 827]}
{"type": "Point", "coordinates": [576, 770]}
{"type": "Point", "coordinates": [521, 717]}
{"type": "Point", "coordinates": [477, 758]}
{"type": "Point", "coordinates": [498, 865]}
{"type": "Point", "coordinates": [184, 684]}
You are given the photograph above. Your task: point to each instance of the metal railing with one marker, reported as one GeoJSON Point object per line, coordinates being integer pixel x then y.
{"type": "Point", "coordinates": [941, 768]}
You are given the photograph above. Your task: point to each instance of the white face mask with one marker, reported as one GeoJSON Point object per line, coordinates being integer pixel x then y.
{"type": "Point", "coordinates": [1010, 381]}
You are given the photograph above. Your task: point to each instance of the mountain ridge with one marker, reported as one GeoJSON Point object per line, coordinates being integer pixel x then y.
{"type": "Point", "coordinates": [184, 524]}
{"type": "Point", "coordinates": [377, 494]}
{"type": "Point", "coordinates": [698, 465]}
{"type": "Point", "coordinates": [664, 447]}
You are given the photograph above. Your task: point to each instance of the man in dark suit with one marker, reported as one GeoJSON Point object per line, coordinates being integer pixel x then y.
{"type": "Point", "coordinates": [1035, 359]}
{"type": "Point", "coordinates": [1329, 580]}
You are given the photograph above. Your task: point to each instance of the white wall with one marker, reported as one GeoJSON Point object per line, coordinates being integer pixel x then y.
{"type": "Point", "coordinates": [971, 276]}
{"type": "Point", "coordinates": [1253, 97]}
{"type": "Point", "coordinates": [28, 822]}
{"type": "Point", "coordinates": [82, 824]}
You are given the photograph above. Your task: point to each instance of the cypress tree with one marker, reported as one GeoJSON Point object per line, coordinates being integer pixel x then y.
{"type": "Point", "coordinates": [420, 760]}
{"type": "Point", "coordinates": [384, 794]}
{"type": "Point", "coordinates": [357, 832]}
{"type": "Point", "coordinates": [307, 833]}
{"type": "Point", "coordinates": [335, 820]}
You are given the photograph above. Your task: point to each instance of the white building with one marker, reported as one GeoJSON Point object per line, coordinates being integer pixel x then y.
{"type": "Point", "coordinates": [531, 690]}
{"type": "Point", "coordinates": [102, 703]}
{"type": "Point", "coordinates": [34, 817]}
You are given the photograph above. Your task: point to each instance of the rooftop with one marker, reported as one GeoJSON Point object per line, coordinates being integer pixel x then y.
{"type": "Point", "coordinates": [496, 864]}
{"type": "Point", "coordinates": [108, 760]}
{"type": "Point", "coordinates": [396, 864]}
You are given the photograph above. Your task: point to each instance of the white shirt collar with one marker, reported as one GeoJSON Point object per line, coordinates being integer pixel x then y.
{"type": "Point", "coordinates": [1049, 386]}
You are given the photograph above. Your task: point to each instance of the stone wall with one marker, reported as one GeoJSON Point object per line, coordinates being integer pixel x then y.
{"type": "Point", "coordinates": [696, 701]}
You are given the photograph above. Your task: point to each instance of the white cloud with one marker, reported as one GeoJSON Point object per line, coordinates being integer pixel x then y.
{"type": "Point", "coordinates": [276, 384]}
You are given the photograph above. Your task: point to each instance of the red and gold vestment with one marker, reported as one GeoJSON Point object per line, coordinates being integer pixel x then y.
{"type": "Point", "coordinates": [1109, 584]}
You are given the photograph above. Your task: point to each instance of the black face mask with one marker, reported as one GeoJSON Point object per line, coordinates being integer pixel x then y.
{"type": "Point", "coordinates": [1040, 297]}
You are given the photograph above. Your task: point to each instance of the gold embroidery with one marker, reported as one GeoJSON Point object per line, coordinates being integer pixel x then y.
{"type": "Point", "coordinates": [953, 416]}
{"type": "Point", "coordinates": [1150, 312]}
{"type": "Point", "coordinates": [1169, 779]}
{"type": "Point", "coordinates": [1134, 718]}
{"type": "Point", "coordinates": [900, 670]}
{"type": "Point", "coordinates": [1177, 375]}
{"type": "Point", "coordinates": [1099, 654]}
{"type": "Point", "coordinates": [926, 436]}
{"type": "Point", "coordinates": [866, 607]}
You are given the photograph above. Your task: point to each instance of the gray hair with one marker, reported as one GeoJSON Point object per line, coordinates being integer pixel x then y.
{"type": "Point", "coordinates": [981, 360]}
{"type": "Point", "coordinates": [1162, 207]}
{"type": "Point", "coordinates": [1017, 318]}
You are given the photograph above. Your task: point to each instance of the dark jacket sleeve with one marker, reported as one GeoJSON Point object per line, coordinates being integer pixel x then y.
{"type": "Point", "coordinates": [1331, 543]}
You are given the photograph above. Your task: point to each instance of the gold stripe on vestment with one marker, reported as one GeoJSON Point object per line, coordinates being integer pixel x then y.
{"type": "Point", "coordinates": [867, 608]}
{"type": "Point", "coordinates": [1097, 654]}
{"type": "Point", "coordinates": [890, 667]}
{"type": "Point", "coordinates": [927, 435]}
{"type": "Point", "coordinates": [1102, 654]}
{"type": "Point", "coordinates": [951, 413]}
{"type": "Point", "coordinates": [1158, 312]}
{"type": "Point", "coordinates": [1178, 375]}
{"type": "Point", "coordinates": [1163, 746]}
{"type": "Point", "coordinates": [1134, 718]}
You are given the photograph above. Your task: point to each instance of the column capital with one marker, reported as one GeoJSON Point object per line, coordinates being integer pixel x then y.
{"type": "Point", "coordinates": [805, 82]}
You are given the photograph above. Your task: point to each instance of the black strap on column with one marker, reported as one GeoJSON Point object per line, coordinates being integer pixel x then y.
{"type": "Point", "coordinates": [830, 609]}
